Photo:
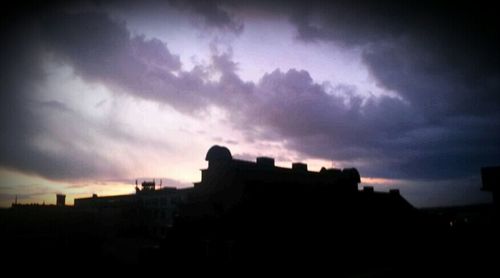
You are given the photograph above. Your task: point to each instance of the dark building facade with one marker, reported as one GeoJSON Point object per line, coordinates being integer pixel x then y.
{"type": "Point", "coordinates": [228, 183]}
{"type": "Point", "coordinates": [243, 210]}
{"type": "Point", "coordinates": [150, 209]}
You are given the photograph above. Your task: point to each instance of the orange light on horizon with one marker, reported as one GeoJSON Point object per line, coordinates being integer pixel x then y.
{"type": "Point", "coordinates": [380, 181]}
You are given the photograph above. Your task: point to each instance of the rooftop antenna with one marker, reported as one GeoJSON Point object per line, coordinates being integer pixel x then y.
{"type": "Point", "coordinates": [15, 202]}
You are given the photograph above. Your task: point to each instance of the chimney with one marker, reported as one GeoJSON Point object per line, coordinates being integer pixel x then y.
{"type": "Point", "coordinates": [265, 161]}
{"type": "Point", "coordinates": [298, 166]}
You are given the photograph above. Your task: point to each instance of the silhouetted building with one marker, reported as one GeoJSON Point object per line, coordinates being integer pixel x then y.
{"type": "Point", "coordinates": [60, 204]}
{"type": "Point", "coordinates": [149, 208]}
{"type": "Point", "coordinates": [223, 172]}
{"type": "Point", "coordinates": [231, 179]}
{"type": "Point", "coordinates": [242, 210]}
{"type": "Point", "coordinates": [60, 200]}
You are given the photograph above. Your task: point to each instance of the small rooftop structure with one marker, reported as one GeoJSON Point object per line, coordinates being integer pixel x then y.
{"type": "Point", "coordinates": [299, 166]}
{"type": "Point", "coordinates": [148, 185]}
{"type": "Point", "coordinates": [265, 161]}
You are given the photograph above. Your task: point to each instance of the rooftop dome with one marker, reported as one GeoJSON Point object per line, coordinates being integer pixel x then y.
{"type": "Point", "coordinates": [218, 153]}
{"type": "Point", "coordinates": [352, 173]}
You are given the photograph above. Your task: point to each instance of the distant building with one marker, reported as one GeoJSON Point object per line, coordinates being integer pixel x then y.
{"type": "Point", "coordinates": [150, 208]}
{"type": "Point", "coordinates": [60, 200]}
{"type": "Point", "coordinates": [60, 204]}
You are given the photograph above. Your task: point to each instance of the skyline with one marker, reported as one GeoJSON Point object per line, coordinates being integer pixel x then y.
{"type": "Point", "coordinates": [97, 94]}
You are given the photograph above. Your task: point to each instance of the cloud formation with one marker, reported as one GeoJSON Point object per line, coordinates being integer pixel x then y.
{"type": "Point", "coordinates": [439, 126]}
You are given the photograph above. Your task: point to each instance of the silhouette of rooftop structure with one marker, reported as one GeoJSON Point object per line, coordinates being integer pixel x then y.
{"type": "Point", "coordinates": [148, 185]}
{"type": "Point", "coordinates": [222, 168]}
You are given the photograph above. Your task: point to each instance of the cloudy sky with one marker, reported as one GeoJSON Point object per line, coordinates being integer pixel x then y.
{"type": "Point", "coordinates": [96, 94]}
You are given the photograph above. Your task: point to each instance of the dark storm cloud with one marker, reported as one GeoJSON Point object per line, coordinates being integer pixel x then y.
{"type": "Point", "coordinates": [22, 115]}
{"type": "Point", "coordinates": [212, 13]}
{"type": "Point", "coordinates": [439, 55]}
{"type": "Point", "coordinates": [99, 50]}
{"type": "Point", "coordinates": [103, 50]}
{"type": "Point", "coordinates": [456, 90]}
{"type": "Point", "coordinates": [383, 136]}
{"type": "Point", "coordinates": [443, 61]}
{"type": "Point", "coordinates": [439, 81]}
{"type": "Point", "coordinates": [441, 58]}
{"type": "Point", "coordinates": [21, 120]}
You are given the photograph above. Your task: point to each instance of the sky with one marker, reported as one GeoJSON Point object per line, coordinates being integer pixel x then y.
{"type": "Point", "coordinates": [96, 94]}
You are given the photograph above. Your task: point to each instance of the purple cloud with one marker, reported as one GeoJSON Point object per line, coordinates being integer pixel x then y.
{"type": "Point", "coordinates": [439, 127]}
